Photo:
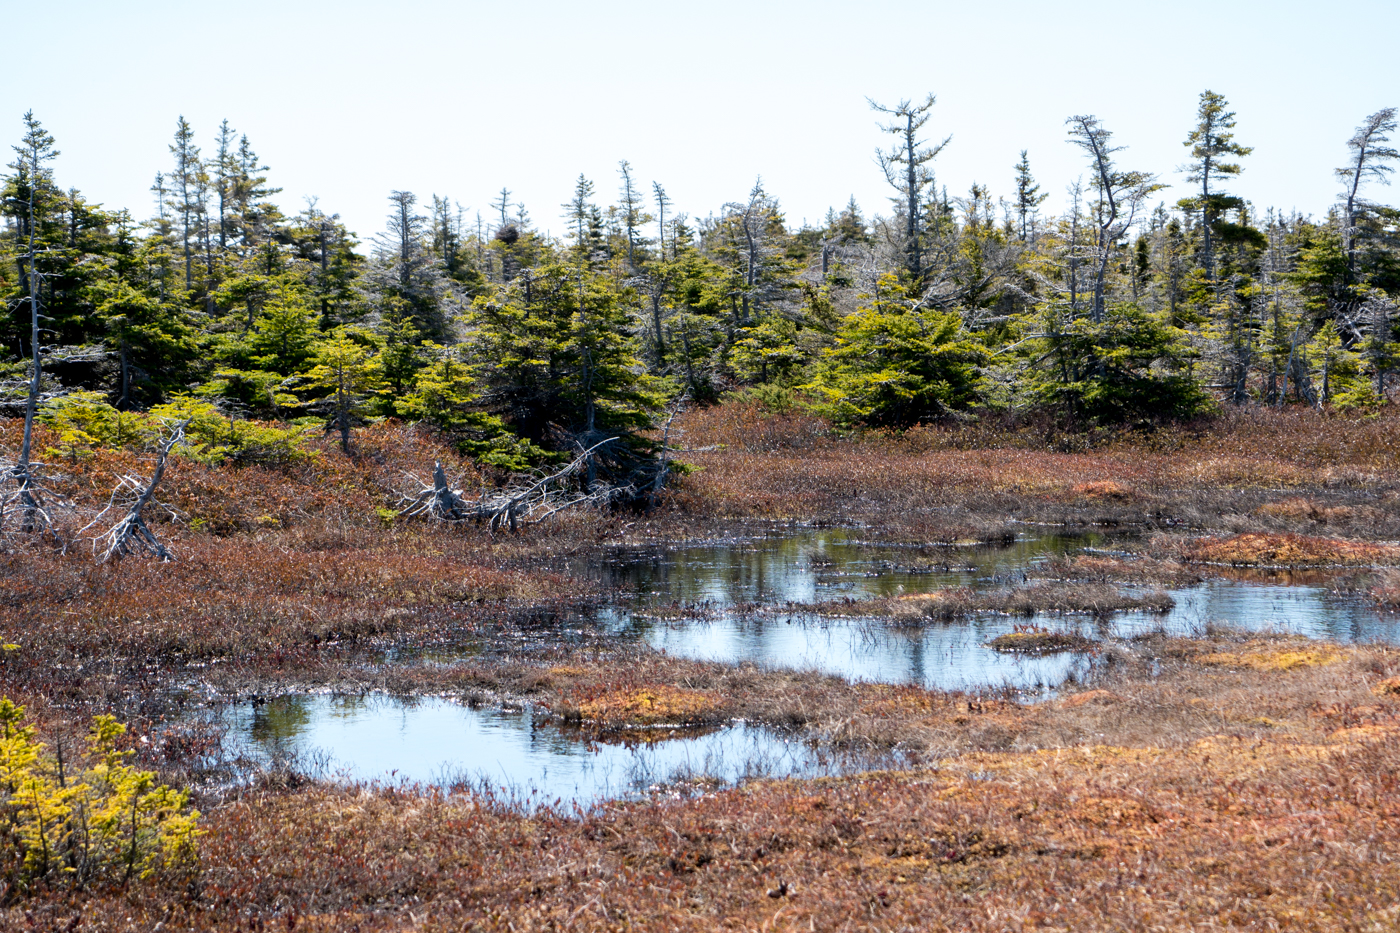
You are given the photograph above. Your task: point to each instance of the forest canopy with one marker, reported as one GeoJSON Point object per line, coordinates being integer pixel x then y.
{"type": "Point", "coordinates": [1134, 305]}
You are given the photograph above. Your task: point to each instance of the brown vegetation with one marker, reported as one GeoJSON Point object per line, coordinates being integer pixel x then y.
{"type": "Point", "coordinates": [1199, 797]}
{"type": "Point", "coordinates": [1090, 568]}
{"type": "Point", "coordinates": [1223, 780]}
{"type": "Point", "coordinates": [1285, 550]}
{"type": "Point", "coordinates": [946, 483]}
{"type": "Point", "coordinates": [1035, 640]}
{"type": "Point", "coordinates": [1088, 598]}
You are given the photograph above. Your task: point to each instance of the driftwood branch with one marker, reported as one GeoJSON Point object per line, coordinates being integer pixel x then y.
{"type": "Point", "coordinates": [131, 533]}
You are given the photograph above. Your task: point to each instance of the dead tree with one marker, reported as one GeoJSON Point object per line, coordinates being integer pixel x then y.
{"type": "Point", "coordinates": [25, 493]}
{"type": "Point", "coordinates": [439, 501]}
{"type": "Point", "coordinates": [131, 533]}
{"type": "Point", "coordinates": [514, 506]}
{"type": "Point", "coordinates": [1121, 194]}
{"type": "Point", "coordinates": [1368, 161]}
{"type": "Point", "coordinates": [906, 168]}
{"type": "Point", "coordinates": [36, 149]}
{"type": "Point", "coordinates": [663, 454]}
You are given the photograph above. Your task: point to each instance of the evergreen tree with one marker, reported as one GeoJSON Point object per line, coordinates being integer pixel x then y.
{"type": "Point", "coordinates": [897, 363]}
{"type": "Point", "coordinates": [1028, 197]}
{"type": "Point", "coordinates": [186, 191]}
{"type": "Point", "coordinates": [1129, 366]}
{"type": "Point", "coordinates": [404, 269]}
{"type": "Point", "coordinates": [345, 375]}
{"type": "Point", "coordinates": [255, 214]}
{"type": "Point", "coordinates": [559, 366]}
{"type": "Point", "coordinates": [1211, 143]}
{"type": "Point", "coordinates": [633, 216]}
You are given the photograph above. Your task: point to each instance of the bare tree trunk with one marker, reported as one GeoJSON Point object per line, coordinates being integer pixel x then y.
{"type": "Point", "coordinates": [126, 379]}
{"type": "Point", "coordinates": [912, 175]}
{"type": "Point", "coordinates": [656, 325]}
{"type": "Point", "coordinates": [24, 474]}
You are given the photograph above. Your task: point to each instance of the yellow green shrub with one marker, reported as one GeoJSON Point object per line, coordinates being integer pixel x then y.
{"type": "Point", "coordinates": [92, 820]}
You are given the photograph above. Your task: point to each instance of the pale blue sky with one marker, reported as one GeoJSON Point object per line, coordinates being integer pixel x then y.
{"type": "Point", "coordinates": [349, 100]}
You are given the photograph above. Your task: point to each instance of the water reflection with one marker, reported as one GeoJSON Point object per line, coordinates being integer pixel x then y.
{"type": "Point", "coordinates": [812, 565]}
{"type": "Point", "coordinates": [726, 580]}
{"type": "Point", "coordinates": [439, 741]}
{"type": "Point", "coordinates": [1310, 610]}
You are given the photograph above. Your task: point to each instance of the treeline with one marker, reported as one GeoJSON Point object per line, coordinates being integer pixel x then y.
{"type": "Point", "coordinates": [518, 346]}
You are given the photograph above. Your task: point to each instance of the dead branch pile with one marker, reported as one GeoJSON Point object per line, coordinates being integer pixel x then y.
{"type": "Point", "coordinates": [526, 502]}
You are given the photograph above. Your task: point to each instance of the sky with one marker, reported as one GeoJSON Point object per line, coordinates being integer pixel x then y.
{"type": "Point", "coordinates": [347, 101]}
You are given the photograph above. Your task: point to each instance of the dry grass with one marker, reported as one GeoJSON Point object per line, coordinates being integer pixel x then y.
{"type": "Point", "coordinates": [1034, 640]}
{"type": "Point", "coordinates": [1201, 797]}
{"type": "Point", "coordinates": [1275, 657]}
{"type": "Point", "coordinates": [945, 484]}
{"type": "Point", "coordinates": [1226, 781]}
{"type": "Point", "coordinates": [1093, 569]}
{"type": "Point", "coordinates": [1285, 550]}
{"type": "Point", "coordinates": [1103, 489]}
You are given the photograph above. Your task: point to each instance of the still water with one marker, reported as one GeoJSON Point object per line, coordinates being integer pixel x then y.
{"type": "Point", "coordinates": [439, 741]}
{"type": "Point", "coordinates": [731, 602]}
{"type": "Point", "coordinates": [720, 586]}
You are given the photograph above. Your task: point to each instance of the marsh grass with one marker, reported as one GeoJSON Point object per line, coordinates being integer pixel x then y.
{"type": "Point", "coordinates": [1201, 793]}
{"type": "Point", "coordinates": [956, 482]}
{"type": "Point", "coordinates": [1173, 791]}
{"type": "Point", "coordinates": [1288, 550]}
{"type": "Point", "coordinates": [1034, 599]}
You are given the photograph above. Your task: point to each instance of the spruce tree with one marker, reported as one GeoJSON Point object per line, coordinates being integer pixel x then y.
{"type": "Point", "coordinates": [1211, 143]}
{"type": "Point", "coordinates": [404, 272]}
{"type": "Point", "coordinates": [1028, 196]}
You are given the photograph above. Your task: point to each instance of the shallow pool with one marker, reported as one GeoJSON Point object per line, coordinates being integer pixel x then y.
{"type": "Point", "coordinates": [439, 741]}
{"type": "Point", "coordinates": [724, 602]}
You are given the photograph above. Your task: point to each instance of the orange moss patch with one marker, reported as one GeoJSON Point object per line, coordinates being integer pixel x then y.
{"type": "Point", "coordinates": [1256, 549]}
{"type": "Point", "coordinates": [1090, 698]}
{"type": "Point", "coordinates": [1104, 489]}
{"type": "Point", "coordinates": [1387, 688]}
{"type": "Point", "coordinates": [1303, 509]}
{"type": "Point", "coordinates": [1275, 658]}
{"type": "Point", "coordinates": [652, 705]}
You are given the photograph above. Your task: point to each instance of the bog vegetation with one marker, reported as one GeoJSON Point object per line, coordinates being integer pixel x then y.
{"type": "Point", "coordinates": [1214, 374]}
{"type": "Point", "coordinates": [86, 819]}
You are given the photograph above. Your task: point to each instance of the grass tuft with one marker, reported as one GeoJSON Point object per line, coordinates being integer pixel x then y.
{"type": "Point", "coordinates": [1040, 641]}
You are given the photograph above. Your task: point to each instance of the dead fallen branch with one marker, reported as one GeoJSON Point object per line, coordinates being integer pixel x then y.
{"type": "Point", "coordinates": [131, 533]}
{"type": "Point", "coordinates": [515, 505]}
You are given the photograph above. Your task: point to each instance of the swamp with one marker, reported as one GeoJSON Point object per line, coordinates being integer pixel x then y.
{"type": "Point", "coordinates": [972, 567]}
{"type": "Point", "coordinates": [971, 685]}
